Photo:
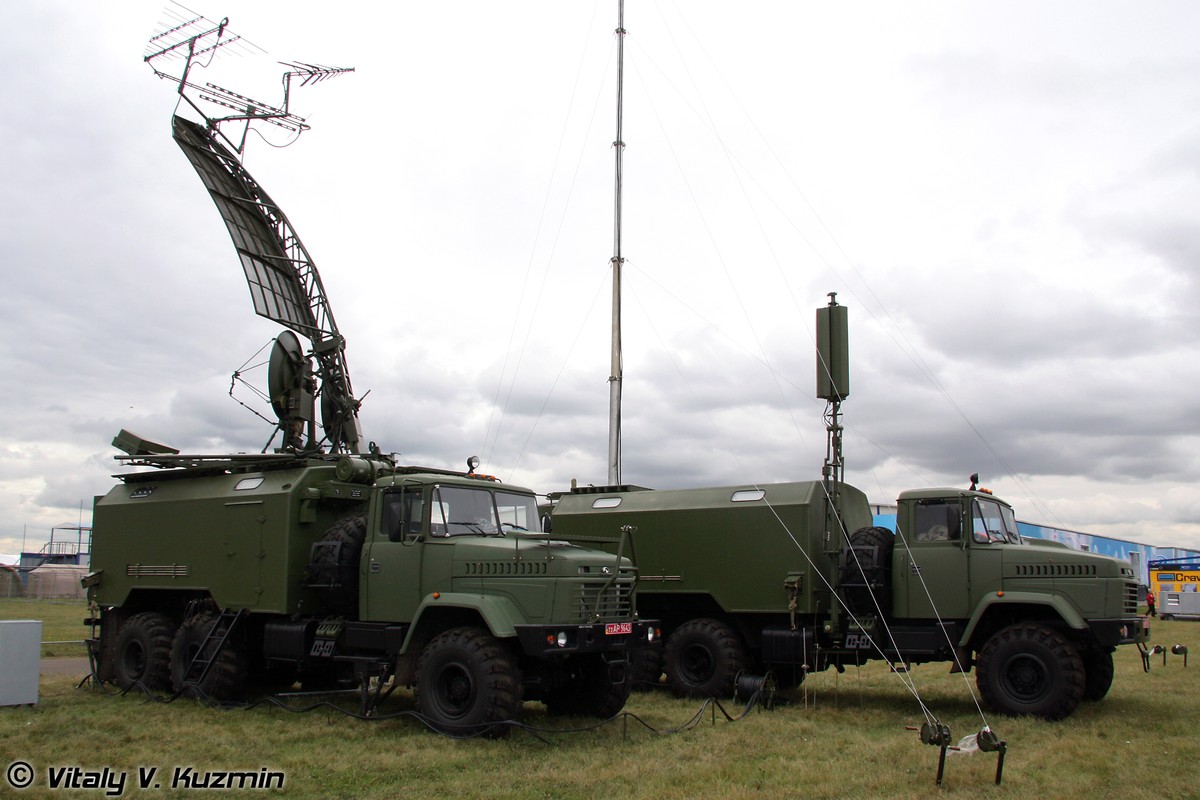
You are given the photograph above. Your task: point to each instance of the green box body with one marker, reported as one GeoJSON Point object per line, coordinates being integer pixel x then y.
{"type": "Point", "coordinates": [243, 536]}
{"type": "Point", "coordinates": [734, 544]}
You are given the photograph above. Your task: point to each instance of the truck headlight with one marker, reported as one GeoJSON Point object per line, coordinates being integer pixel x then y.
{"type": "Point", "coordinates": [562, 639]}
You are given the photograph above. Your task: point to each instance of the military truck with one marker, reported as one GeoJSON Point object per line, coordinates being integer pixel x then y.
{"type": "Point", "coordinates": [326, 561]}
{"type": "Point", "coordinates": [748, 579]}
{"type": "Point", "coordinates": [224, 573]}
{"type": "Point", "coordinates": [795, 577]}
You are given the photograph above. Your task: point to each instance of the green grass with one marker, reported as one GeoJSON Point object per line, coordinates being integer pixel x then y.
{"type": "Point", "coordinates": [839, 736]}
{"type": "Point", "coordinates": [62, 621]}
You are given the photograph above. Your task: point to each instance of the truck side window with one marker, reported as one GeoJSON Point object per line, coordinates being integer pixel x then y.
{"type": "Point", "coordinates": [403, 513]}
{"type": "Point", "coordinates": [937, 522]}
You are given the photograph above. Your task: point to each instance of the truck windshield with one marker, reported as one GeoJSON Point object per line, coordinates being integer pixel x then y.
{"type": "Point", "coordinates": [518, 512]}
{"type": "Point", "coordinates": [458, 510]}
{"type": "Point", "coordinates": [993, 522]}
{"type": "Point", "coordinates": [1010, 525]}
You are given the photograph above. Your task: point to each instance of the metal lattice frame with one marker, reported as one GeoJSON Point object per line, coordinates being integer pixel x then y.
{"type": "Point", "coordinates": [283, 280]}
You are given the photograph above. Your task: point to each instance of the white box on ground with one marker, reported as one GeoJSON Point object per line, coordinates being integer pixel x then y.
{"type": "Point", "coordinates": [20, 660]}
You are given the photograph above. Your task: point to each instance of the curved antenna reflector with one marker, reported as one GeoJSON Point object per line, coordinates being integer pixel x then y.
{"type": "Point", "coordinates": [284, 283]}
{"type": "Point", "coordinates": [252, 219]}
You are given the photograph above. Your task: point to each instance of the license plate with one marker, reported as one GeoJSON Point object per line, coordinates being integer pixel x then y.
{"type": "Point", "coordinates": [618, 628]}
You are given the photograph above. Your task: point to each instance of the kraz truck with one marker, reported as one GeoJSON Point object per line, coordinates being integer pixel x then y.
{"type": "Point", "coordinates": [325, 561]}
{"type": "Point", "coordinates": [750, 579]}
{"type": "Point", "coordinates": [795, 577]}
{"type": "Point", "coordinates": [228, 573]}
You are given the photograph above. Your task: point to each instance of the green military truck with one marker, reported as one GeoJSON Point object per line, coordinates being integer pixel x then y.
{"type": "Point", "coordinates": [231, 572]}
{"type": "Point", "coordinates": [795, 577]}
{"type": "Point", "coordinates": [749, 578]}
{"type": "Point", "coordinates": [325, 561]}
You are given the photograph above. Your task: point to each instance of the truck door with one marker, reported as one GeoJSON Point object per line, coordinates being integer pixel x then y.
{"type": "Point", "coordinates": [933, 567]}
{"type": "Point", "coordinates": [391, 580]}
{"type": "Point", "coordinates": [238, 578]}
{"type": "Point", "coordinates": [992, 526]}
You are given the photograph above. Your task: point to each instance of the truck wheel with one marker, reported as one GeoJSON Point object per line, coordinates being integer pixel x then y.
{"type": "Point", "coordinates": [589, 690]}
{"type": "Point", "coordinates": [1098, 673]}
{"type": "Point", "coordinates": [865, 571]}
{"type": "Point", "coordinates": [647, 666]}
{"type": "Point", "coordinates": [339, 565]}
{"type": "Point", "coordinates": [703, 658]}
{"type": "Point", "coordinates": [226, 678]}
{"type": "Point", "coordinates": [1027, 669]}
{"type": "Point", "coordinates": [467, 682]}
{"type": "Point", "coordinates": [143, 653]}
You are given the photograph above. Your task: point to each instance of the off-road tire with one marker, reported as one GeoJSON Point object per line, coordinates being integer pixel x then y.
{"type": "Point", "coordinates": [589, 690]}
{"type": "Point", "coordinates": [1030, 670]}
{"type": "Point", "coordinates": [228, 675]}
{"type": "Point", "coordinates": [1098, 673]}
{"type": "Point", "coordinates": [864, 578]}
{"type": "Point", "coordinates": [646, 666]}
{"type": "Point", "coordinates": [350, 533]}
{"type": "Point", "coordinates": [143, 652]}
{"type": "Point", "coordinates": [703, 657]}
{"type": "Point", "coordinates": [467, 682]}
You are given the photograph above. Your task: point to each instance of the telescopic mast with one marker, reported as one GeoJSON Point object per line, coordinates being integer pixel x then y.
{"type": "Point", "coordinates": [614, 378]}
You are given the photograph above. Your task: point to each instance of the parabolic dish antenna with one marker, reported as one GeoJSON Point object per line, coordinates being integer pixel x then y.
{"type": "Point", "coordinates": [290, 385]}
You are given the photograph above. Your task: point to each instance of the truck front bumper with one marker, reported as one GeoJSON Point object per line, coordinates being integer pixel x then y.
{"type": "Point", "coordinates": [596, 637]}
{"type": "Point", "coordinates": [1126, 630]}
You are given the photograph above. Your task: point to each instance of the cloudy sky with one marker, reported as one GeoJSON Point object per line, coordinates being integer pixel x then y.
{"type": "Point", "coordinates": [1005, 195]}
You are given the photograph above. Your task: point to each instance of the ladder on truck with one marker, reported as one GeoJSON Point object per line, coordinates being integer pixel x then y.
{"type": "Point", "coordinates": [212, 646]}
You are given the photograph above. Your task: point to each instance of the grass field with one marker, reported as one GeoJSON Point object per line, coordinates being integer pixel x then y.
{"type": "Point", "coordinates": [839, 736]}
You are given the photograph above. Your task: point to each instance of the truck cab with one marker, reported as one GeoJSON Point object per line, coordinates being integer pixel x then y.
{"type": "Point", "coordinates": [972, 536]}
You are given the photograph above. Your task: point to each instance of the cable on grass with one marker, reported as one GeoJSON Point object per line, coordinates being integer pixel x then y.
{"type": "Point", "coordinates": [762, 694]}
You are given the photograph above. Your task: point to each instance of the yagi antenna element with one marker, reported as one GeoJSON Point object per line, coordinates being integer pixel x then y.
{"type": "Point", "coordinates": [193, 43]}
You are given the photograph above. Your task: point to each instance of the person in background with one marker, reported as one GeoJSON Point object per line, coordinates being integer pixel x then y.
{"type": "Point", "coordinates": [1150, 602]}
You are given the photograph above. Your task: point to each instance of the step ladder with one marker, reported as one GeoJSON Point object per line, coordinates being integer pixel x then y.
{"type": "Point", "coordinates": [211, 647]}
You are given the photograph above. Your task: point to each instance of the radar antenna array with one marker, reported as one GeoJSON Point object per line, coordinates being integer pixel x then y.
{"type": "Point", "coordinates": [283, 280]}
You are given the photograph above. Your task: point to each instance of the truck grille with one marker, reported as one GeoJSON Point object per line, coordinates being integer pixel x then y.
{"type": "Point", "coordinates": [1131, 597]}
{"type": "Point", "coordinates": [505, 568]}
{"type": "Point", "coordinates": [596, 600]}
{"type": "Point", "coordinates": [1055, 570]}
